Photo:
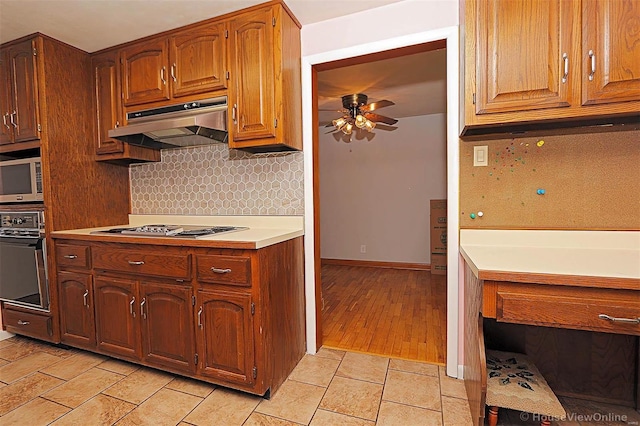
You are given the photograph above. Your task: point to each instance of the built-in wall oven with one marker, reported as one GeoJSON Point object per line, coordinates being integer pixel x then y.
{"type": "Point", "coordinates": [23, 260]}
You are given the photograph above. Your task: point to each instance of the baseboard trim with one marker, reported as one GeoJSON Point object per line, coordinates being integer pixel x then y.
{"type": "Point", "coordinates": [377, 264]}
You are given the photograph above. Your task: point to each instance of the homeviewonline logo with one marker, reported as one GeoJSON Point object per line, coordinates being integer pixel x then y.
{"type": "Point", "coordinates": [575, 417]}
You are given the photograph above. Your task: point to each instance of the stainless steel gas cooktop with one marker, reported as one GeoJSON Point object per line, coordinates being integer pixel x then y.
{"type": "Point", "coordinates": [172, 231]}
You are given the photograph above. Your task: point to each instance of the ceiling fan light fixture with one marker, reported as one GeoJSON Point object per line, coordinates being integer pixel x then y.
{"type": "Point", "coordinates": [360, 121]}
{"type": "Point", "coordinates": [369, 125]}
{"type": "Point", "coordinates": [339, 123]}
{"type": "Point", "coordinates": [347, 128]}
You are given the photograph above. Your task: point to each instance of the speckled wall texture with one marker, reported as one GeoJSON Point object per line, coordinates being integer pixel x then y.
{"type": "Point", "coordinates": [214, 180]}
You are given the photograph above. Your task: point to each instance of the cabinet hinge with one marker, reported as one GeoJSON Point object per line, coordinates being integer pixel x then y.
{"type": "Point", "coordinates": [255, 372]}
{"type": "Point", "coordinates": [39, 128]}
{"type": "Point", "coordinates": [275, 123]}
{"type": "Point", "coordinates": [253, 309]}
{"type": "Point", "coordinates": [195, 359]}
{"type": "Point", "coordinates": [35, 52]}
{"type": "Point", "coordinates": [474, 98]}
{"type": "Point", "coordinates": [273, 21]}
{"type": "Point", "coordinates": [193, 301]}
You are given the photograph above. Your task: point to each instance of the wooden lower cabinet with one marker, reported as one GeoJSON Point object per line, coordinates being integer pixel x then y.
{"type": "Point", "coordinates": [77, 322]}
{"type": "Point", "coordinates": [233, 317]}
{"type": "Point", "coordinates": [225, 336]}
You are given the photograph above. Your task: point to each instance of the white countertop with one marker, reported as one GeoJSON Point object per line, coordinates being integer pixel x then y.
{"type": "Point", "coordinates": [597, 254]}
{"type": "Point", "coordinates": [263, 230]}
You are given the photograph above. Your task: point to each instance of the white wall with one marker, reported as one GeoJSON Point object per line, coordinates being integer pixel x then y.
{"type": "Point", "coordinates": [376, 192]}
{"type": "Point", "coordinates": [393, 26]}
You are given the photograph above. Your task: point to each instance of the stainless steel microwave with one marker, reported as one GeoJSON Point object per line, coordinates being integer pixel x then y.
{"type": "Point", "coordinates": [21, 180]}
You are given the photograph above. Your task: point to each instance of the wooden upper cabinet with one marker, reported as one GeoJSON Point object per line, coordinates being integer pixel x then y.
{"type": "Point", "coordinates": [197, 60]}
{"type": "Point", "coordinates": [523, 54]}
{"type": "Point", "coordinates": [145, 72]}
{"type": "Point", "coordinates": [107, 94]}
{"type": "Point", "coordinates": [252, 67]}
{"type": "Point", "coordinates": [610, 51]}
{"type": "Point", "coordinates": [20, 112]}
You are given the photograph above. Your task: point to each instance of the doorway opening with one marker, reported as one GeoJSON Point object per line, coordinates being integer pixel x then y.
{"type": "Point", "coordinates": [372, 195]}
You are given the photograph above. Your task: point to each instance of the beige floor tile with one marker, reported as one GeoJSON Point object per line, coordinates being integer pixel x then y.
{"type": "Point", "coordinates": [412, 389]}
{"type": "Point", "coordinates": [450, 386]}
{"type": "Point", "coordinates": [329, 418]}
{"type": "Point", "coordinates": [165, 407]}
{"type": "Point", "coordinates": [455, 411]}
{"type": "Point", "coordinates": [23, 346]}
{"type": "Point", "coordinates": [3, 362]}
{"type": "Point", "coordinates": [117, 366]}
{"type": "Point", "coordinates": [231, 408]}
{"type": "Point", "coordinates": [6, 342]}
{"type": "Point", "coordinates": [99, 410]}
{"type": "Point", "coordinates": [294, 401]}
{"type": "Point", "coordinates": [353, 398]}
{"type": "Point", "coordinates": [257, 419]}
{"type": "Point", "coordinates": [392, 414]}
{"type": "Point", "coordinates": [74, 365]}
{"type": "Point", "coordinates": [413, 367]}
{"type": "Point", "coordinates": [190, 386]}
{"type": "Point", "coordinates": [139, 385]}
{"type": "Point", "coordinates": [24, 390]}
{"type": "Point", "coordinates": [331, 353]}
{"type": "Point", "coordinates": [83, 387]}
{"type": "Point", "coordinates": [25, 366]}
{"type": "Point", "coordinates": [37, 412]}
{"type": "Point", "coordinates": [358, 366]}
{"type": "Point", "coordinates": [315, 370]}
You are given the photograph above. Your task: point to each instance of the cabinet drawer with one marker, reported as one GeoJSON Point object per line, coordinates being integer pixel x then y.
{"type": "Point", "coordinates": [572, 307]}
{"type": "Point", "coordinates": [170, 265]}
{"type": "Point", "coordinates": [73, 256]}
{"type": "Point", "coordinates": [232, 270]}
{"type": "Point", "coordinates": [27, 323]}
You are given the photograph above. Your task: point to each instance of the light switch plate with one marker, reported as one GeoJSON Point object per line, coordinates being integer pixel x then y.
{"type": "Point", "coordinates": [481, 155]}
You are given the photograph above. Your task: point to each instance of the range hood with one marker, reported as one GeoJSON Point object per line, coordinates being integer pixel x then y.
{"type": "Point", "coordinates": [176, 126]}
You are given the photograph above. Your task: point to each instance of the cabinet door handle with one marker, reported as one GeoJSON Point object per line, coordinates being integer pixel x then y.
{"type": "Point", "coordinates": [133, 300]}
{"type": "Point", "coordinates": [220, 271]}
{"type": "Point", "coordinates": [84, 298]}
{"type": "Point", "coordinates": [142, 313]}
{"type": "Point", "coordinates": [565, 59]}
{"type": "Point", "coordinates": [173, 72]}
{"type": "Point", "coordinates": [70, 256]}
{"type": "Point", "coordinates": [233, 113]}
{"type": "Point", "coordinates": [4, 120]}
{"type": "Point", "coordinates": [624, 320]}
{"type": "Point", "coordinates": [200, 317]}
{"type": "Point", "coordinates": [592, 55]}
{"type": "Point", "coordinates": [162, 71]}
{"type": "Point", "coordinates": [117, 124]}
{"type": "Point", "coordinates": [20, 322]}
{"type": "Point", "coordinates": [136, 262]}
{"type": "Point", "coordinates": [12, 120]}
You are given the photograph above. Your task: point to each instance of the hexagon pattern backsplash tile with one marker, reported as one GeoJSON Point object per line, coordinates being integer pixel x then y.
{"type": "Point", "coordinates": [216, 180]}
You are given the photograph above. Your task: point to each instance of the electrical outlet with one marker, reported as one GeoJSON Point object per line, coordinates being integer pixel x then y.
{"type": "Point", "coordinates": [363, 248]}
{"type": "Point", "coordinates": [481, 155]}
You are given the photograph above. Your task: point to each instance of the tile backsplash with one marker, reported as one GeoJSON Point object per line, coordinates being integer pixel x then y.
{"type": "Point", "coordinates": [216, 180]}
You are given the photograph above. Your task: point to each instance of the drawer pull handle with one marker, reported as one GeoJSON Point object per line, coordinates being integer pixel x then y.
{"type": "Point", "coordinates": [136, 262]}
{"type": "Point", "coordinates": [70, 256]}
{"type": "Point", "coordinates": [220, 271]}
{"type": "Point", "coordinates": [84, 298]}
{"type": "Point", "coordinates": [20, 322]}
{"type": "Point", "coordinates": [625, 320]}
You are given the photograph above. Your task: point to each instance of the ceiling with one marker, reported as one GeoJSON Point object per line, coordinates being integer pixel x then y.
{"type": "Point", "coordinates": [416, 82]}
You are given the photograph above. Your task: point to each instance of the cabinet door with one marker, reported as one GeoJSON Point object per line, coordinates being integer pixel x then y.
{"type": "Point", "coordinates": [24, 90]}
{"type": "Point", "coordinates": [76, 309]}
{"type": "Point", "coordinates": [107, 101]}
{"type": "Point", "coordinates": [117, 325]}
{"type": "Point", "coordinates": [524, 55]}
{"type": "Point", "coordinates": [198, 61]}
{"type": "Point", "coordinates": [144, 72]}
{"type": "Point", "coordinates": [166, 313]}
{"type": "Point", "coordinates": [252, 67]}
{"type": "Point", "coordinates": [610, 51]}
{"type": "Point", "coordinates": [6, 131]}
{"type": "Point", "coordinates": [225, 336]}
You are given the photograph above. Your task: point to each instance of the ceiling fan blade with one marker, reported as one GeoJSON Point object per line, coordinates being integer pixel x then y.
{"type": "Point", "coordinates": [380, 118]}
{"type": "Point", "coordinates": [375, 105]}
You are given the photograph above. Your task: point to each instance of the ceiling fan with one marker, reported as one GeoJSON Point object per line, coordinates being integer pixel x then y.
{"type": "Point", "coordinates": [356, 112]}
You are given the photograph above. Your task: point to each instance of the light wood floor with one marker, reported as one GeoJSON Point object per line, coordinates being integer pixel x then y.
{"type": "Point", "coordinates": [391, 312]}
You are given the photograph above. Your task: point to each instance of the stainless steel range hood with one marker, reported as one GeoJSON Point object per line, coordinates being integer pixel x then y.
{"type": "Point", "coordinates": [176, 126]}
